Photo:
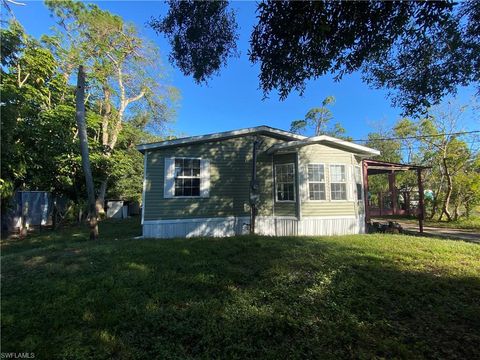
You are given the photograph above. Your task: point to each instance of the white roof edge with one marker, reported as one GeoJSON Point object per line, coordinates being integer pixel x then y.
{"type": "Point", "coordinates": [218, 136]}
{"type": "Point", "coordinates": [323, 138]}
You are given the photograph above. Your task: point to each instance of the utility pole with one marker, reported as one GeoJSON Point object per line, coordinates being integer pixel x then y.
{"type": "Point", "coordinates": [82, 132]}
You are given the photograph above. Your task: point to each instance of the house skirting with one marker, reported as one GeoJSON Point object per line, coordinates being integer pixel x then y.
{"type": "Point", "coordinates": [265, 225]}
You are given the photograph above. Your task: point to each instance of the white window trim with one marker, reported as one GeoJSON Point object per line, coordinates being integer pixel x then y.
{"type": "Point", "coordinates": [294, 185]}
{"type": "Point", "coordinates": [336, 182]}
{"type": "Point", "coordinates": [319, 182]}
{"type": "Point", "coordinates": [187, 177]}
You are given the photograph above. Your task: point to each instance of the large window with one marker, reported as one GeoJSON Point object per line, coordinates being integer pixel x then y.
{"type": "Point", "coordinates": [187, 177]}
{"type": "Point", "coordinates": [316, 181]}
{"type": "Point", "coordinates": [358, 182]}
{"type": "Point", "coordinates": [285, 182]}
{"type": "Point", "coordinates": [338, 182]}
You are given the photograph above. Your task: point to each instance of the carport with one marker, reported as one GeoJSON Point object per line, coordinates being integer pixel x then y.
{"type": "Point", "coordinates": [393, 207]}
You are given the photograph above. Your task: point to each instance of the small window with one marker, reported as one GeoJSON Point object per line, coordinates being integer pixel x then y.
{"type": "Point", "coordinates": [316, 181]}
{"type": "Point", "coordinates": [338, 182]}
{"type": "Point", "coordinates": [285, 182]}
{"type": "Point", "coordinates": [358, 182]}
{"type": "Point", "coordinates": [187, 177]}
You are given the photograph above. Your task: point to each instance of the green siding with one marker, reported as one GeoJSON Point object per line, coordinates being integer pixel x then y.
{"type": "Point", "coordinates": [326, 155]}
{"type": "Point", "coordinates": [230, 173]}
{"type": "Point", "coordinates": [326, 208]}
{"type": "Point", "coordinates": [265, 179]}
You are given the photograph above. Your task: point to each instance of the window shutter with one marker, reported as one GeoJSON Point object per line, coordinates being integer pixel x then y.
{"type": "Point", "coordinates": [204, 178]}
{"type": "Point", "coordinates": [169, 178]}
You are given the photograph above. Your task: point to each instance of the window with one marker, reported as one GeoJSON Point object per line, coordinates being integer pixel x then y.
{"type": "Point", "coordinates": [316, 181]}
{"type": "Point", "coordinates": [338, 182]}
{"type": "Point", "coordinates": [358, 182]}
{"type": "Point", "coordinates": [285, 182]}
{"type": "Point", "coordinates": [187, 177]}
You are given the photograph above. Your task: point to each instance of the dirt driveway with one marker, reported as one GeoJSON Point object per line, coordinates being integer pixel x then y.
{"type": "Point", "coordinates": [441, 232]}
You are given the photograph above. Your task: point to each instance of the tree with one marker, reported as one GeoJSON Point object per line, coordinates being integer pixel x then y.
{"type": "Point", "coordinates": [40, 139]}
{"type": "Point", "coordinates": [124, 69]}
{"type": "Point", "coordinates": [82, 130]}
{"type": "Point", "coordinates": [467, 188]}
{"type": "Point", "coordinates": [318, 120]}
{"type": "Point", "coordinates": [438, 142]}
{"type": "Point", "coordinates": [28, 86]}
{"type": "Point", "coordinates": [189, 24]}
{"type": "Point", "coordinates": [420, 51]}
{"type": "Point", "coordinates": [448, 152]}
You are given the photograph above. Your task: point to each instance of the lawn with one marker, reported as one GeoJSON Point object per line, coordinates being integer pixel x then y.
{"type": "Point", "coordinates": [468, 224]}
{"type": "Point", "coordinates": [368, 296]}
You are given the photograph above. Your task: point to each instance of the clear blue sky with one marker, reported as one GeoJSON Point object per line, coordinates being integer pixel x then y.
{"type": "Point", "coordinates": [232, 99]}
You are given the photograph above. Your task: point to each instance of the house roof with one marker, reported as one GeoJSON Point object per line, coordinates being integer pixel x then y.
{"type": "Point", "coordinates": [323, 139]}
{"type": "Point", "coordinates": [294, 141]}
{"type": "Point", "coordinates": [220, 136]}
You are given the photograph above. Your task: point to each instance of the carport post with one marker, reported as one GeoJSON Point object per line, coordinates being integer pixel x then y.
{"type": "Point", "coordinates": [393, 191]}
{"type": "Point", "coordinates": [365, 193]}
{"type": "Point", "coordinates": [421, 204]}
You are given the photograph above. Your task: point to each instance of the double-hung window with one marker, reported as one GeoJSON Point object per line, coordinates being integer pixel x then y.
{"type": "Point", "coordinates": [358, 182]}
{"type": "Point", "coordinates": [285, 182]}
{"type": "Point", "coordinates": [338, 182]}
{"type": "Point", "coordinates": [187, 177]}
{"type": "Point", "coordinates": [316, 182]}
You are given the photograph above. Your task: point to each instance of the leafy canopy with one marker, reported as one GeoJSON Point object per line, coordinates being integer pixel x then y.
{"type": "Point", "coordinates": [318, 120]}
{"type": "Point", "coordinates": [202, 34]}
{"type": "Point", "coordinates": [419, 50]}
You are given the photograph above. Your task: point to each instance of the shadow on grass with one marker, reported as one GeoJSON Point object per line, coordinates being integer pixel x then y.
{"type": "Point", "coordinates": [111, 229]}
{"type": "Point", "coordinates": [245, 297]}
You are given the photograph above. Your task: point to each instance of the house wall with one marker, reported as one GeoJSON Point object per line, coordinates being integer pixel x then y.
{"type": "Point", "coordinates": [230, 175]}
{"type": "Point", "coordinates": [327, 155]}
{"type": "Point", "coordinates": [226, 211]}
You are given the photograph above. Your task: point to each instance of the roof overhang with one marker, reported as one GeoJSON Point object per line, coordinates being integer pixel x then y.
{"type": "Point", "coordinates": [259, 130]}
{"type": "Point", "coordinates": [375, 167]}
{"type": "Point", "coordinates": [325, 140]}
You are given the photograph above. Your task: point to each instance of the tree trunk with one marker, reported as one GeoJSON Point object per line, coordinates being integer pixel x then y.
{"type": "Point", "coordinates": [82, 132]}
{"type": "Point", "coordinates": [101, 198]}
{"type": "Point", "coordinates": [106, 115]}
{"type": "Point", "coordinates": [456, 213]}
{"type": "Point", "coordinates": [436, 196]}
{"type": "Point", "coordinates": [446, 203]}
{"type": "Point", "coordinates": [23, 221]}
{"type": "Point", "coordinates": [467, 210]}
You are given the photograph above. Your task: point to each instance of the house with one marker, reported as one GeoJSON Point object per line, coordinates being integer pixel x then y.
{"type": "Point", "coordinates": [276, 182]}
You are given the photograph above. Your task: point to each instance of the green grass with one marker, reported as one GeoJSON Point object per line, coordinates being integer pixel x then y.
{"type": "Point", "coordinates": [469, 224]}
{"type": "Point", "coordinates": [372, 296]}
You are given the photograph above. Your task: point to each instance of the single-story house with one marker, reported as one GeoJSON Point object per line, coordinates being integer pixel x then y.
{"type": "Point", "coordinates": [296, 185]}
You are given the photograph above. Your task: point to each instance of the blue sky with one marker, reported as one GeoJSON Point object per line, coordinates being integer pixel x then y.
{"type": "Point", "coordinates": [232, 99]}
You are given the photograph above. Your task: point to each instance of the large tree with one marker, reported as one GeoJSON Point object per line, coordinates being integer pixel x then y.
{"type": "Point", "coordinates": [40, 149]}
{"type": "Point", "coordinates": [441, 142]}
{"type": "Point", "coordinates": [124, 70]}
{"type": "Point", "coordinates": [318, 121]}
{"type": "Point", "coordinates": [419, 50]}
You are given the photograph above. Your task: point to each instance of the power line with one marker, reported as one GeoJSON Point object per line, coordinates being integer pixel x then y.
{"type": "Point", "coordinates": [419, 136]}
{"type": "Point", "coordinates": [418, 146]}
